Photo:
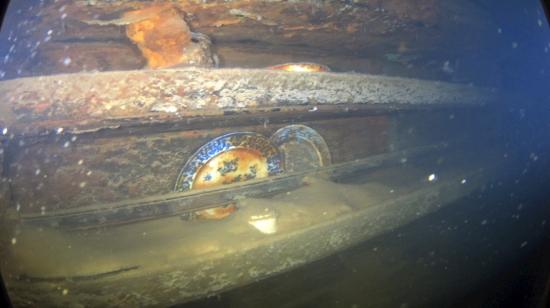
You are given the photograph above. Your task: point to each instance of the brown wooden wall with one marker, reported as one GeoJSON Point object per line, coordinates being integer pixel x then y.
{"type": "Point", "coordinates": [443, 40]}
{"type": "Point", "coordinates": [60, 172]}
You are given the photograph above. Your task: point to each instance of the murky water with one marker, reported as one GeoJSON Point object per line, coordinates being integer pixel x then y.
{"type": "Point", "coordinates": [401, 162]}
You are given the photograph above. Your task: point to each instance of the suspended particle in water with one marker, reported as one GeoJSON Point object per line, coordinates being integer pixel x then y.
{"type": "Point", "coordinates": [463, 181]}
{"type": "Point", "coordinates": [65, 292]}
{"type": "Point", "coordinates": [432, 177]}
{"type": "Point", "coordinates": [484, 222]}
{"type": "Point", "coordinates": [37, 172]}
{"type": "Point", "coordinates": [66, 144]}
{"type": "Point", "coordinates": [80, 162]}
{"type": "Point", "coordinates": [82, 184]}
{"type": "Point", "coordinates": [13, 241]}
{"type": "Point", "coordinates": [520, 206]}
{"type": "Point", "coordinates": [523, 244]}
{"type": "Point", "coordinates": [514, 45]}
{"type": "Point", "coordinates": [59, 130]}
{"type": "Point", "coordinates": [67, 61]}
{"type": "Point", "coordinates": [499, 31]}
{"type": "Point", "coordinates": [5, 131]}
{"type": "Point", "coordinates": [42, 210]}
{"type": "Point", "coordinates": [447, 68]}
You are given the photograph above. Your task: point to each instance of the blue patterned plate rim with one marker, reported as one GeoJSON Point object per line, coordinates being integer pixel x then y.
{"type": "Point", "coordinates": [221, 144]}
{"type": "Point", "coordinates": [303, 133]}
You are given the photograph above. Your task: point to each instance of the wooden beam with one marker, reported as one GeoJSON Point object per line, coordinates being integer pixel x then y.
{"type": "Point", "coordinates": [101, 215]}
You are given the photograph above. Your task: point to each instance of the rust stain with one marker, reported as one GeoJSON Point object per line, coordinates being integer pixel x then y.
{"type": "Point", "coordinates": [164, 38]}
{"type": "Point", "coordinates": [41, 107]}
{"type": "Point", "coordinates": [216, 213]}
{"type": "Point", "coordinates": [160, 33]}
{"type": "Point", "coordinates": [352, 28]}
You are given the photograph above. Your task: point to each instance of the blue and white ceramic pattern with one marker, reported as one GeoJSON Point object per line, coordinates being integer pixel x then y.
{"type": "Point", "coordinates": [230, 158]}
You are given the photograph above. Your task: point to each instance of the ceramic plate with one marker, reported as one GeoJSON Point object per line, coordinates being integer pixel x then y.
{"type": "Point", "coordinates": [230, 158]}
{"type": "Point", "coordinates": [302, 146]}
{"type": "Point", "coordinates": [301, 67]}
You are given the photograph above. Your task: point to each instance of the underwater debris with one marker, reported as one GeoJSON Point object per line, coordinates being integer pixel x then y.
{"type": "Point", "coordinates": [215, 213]}
{"type": "Point", "coordinates": [265, 222]}
{"type": "Point", "coordinates": [447, 68]}
{"type": "Point", "coordinates": [252, 16]}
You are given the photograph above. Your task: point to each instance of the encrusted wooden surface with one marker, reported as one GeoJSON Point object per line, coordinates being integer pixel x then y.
{"type": "Point", "coordinates": [67, 172]}
{"type": "Point", "coordinates": [90, 97]}
{"type": "Point", "coordinates": [58, 157]}
{"type": "Point", "coordinates": [171, 204]}
{"type": "Point", "coordinates": [420, 38]}
{"type": "Point", "coordinates": [158, 264]}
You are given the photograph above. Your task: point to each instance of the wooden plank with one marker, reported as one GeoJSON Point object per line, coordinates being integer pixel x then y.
{"type": "Point", "coordinates": [67, 170]}
{"type": "Point", "coordinates": [177, 203]}
{"type": "Point", "coordinates": [88, 99]}
{"type": "Point", "coordinates": [392, 36]}
{"type": "Point", "coordinates": [113, 126]}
